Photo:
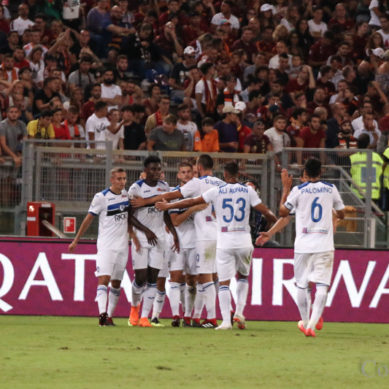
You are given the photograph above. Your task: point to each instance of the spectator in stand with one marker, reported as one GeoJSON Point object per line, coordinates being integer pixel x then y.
{"type": "Point", "coordinates": [115, 133]}
{"type": "Point", "coordinates": [207, 139]}
{"type": "Point", "coordinates": [88, 107]}
{"type": "Point", "coordinates": [82, 77]}
{"type": "Point", "coordinates": [313, 136]}
{"type": "Point", "coordinates": [41, 128]}
{"type": "Point", "coordinates": [246, 43]}
{"type": "Point", "coordinates": [324, 82]}
{"type": "Point", "coordinates": [110, 92]}
{"type": "Point", "coordinates": [60, 130]}
{"type": "Point", "coordinates": [281, 48]}
{"type": "Point", "coordinates": [180, 73]}
{"type": "Point", "coordinates": [35, 41]}
{"type": "Point", "coordinates": [206, 91]}
{"type": "Point", "coordinates": [7, 69]}
{"type": "Point", "coordinates": [321, 50]}
{"type": "Point", "coordinates": [298, 120]}
{"type": "Point", "coordinates": [186, 126]}
{"type": "Point", "coordinates": [305, 82]}
{"type": "Point", "coordinates": [43, 96]}
{"type": "Point", "coordinates": [243, 130]}
{"type": "Point", "coordinates": [156, 119]}
{"type": "Point", "coordinates": [166, 137]}
{"type": "Point", "coordinates": [73, 124]}
{"type": "Point", "coordinates": [384, 30]}
{"type": "Point", "coordinates": [22, 22]}
{"type": "Point", "coordinates": [340, 23]}
{"type": "Point", "coordinates": [366, 124]}
{"type": "Point", "coordinates": [20, 58]}
{"type": "Point", "coordinates": [345, 138]}
{"type": "Point", "coordinates": [151, 103]}
{"type": "Point", "coordinates": [320, 99]}
{"type": "Point", "coordinates": [257, 141]}
{"type": "Point", "coordinates": [224, 15]}
{"type": "Point", "coordinates": [316, 26]}
{"type": "Point", "coordinates": [227, 129]}
{"type": "Point", "coordinates": [134, 135]}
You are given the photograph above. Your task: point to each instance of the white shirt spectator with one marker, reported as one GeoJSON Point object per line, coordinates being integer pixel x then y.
{"type": "Point", "coordinates": [219, 19]}
{"type": "Point", "coordinates": [99, 127]}
{"type": "Point", "coordinates": [200, 89]}
{"type": "Point", "coordinates": [115, 138]}
{"type": "Point", "coordinates": [374, 20]}
{"type": "Point", "coordinates": [20, 25]}
{"type": "Point", "coordinates": [385, 38]}
{"type": "Point", "coordinates": [278, 140]}
{"type": "Point", "coordinates": [274, 62]}
{"type": "Point", "coordinates": [188, 130]}
{"type": "Point", "coordinates": [314, 27]}
{"type": "Point", "coordinates": [110, 92]}
{"type": "Point", "coordinates": [359, 129]}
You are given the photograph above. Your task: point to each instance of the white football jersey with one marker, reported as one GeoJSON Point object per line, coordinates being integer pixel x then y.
{"type": "Point", "coordinates": [112, 210]}
{"type": "Point", "coordinates": [186, 230]}
{"type": "Point", "coordinates": [312, 203]}
{"type": "Point", "coordinates": [149, 216]}
{"type": "Point", "coordinates": [205, 222]}
{"type": "Point", "coordinates": [232, 204]}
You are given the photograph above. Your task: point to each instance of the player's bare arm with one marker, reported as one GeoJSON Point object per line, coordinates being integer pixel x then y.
{"type": "Point", "coordinates": [151, 237]}
{"type": "Point", "coordinates": [265, 236]}
{"type": "Point", "coordinates": [84, 226]}
{"type": "Point", "coordinates": [179, 218]}
{"type": "Point", "coordinates": [138, 202]}
{"type": "Point", "coordinates": [269, 215]}
{"type": "Point", "coordinates": [171, 228]}
{"type": "Point", "coordinates": [187, 203]}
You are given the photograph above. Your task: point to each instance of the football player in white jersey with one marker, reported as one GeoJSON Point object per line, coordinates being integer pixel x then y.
{"type": "Point", "coordinates": [205, 226]}
{"type": "Point", "coordinates": [231, 203]}
{"type": "Point", "coordinates": [313, 203]}
{"type": "Point", "coordinates": [149, 259]}
{"type": "Point", "coordinates": [111, 205]}
{"type": "Point", "coordinates": [185, 260]}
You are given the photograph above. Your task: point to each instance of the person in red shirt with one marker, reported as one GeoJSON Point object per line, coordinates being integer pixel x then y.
{"type": "Point", "coordinates": [312, 136]}
{"type": "Point", "coordinates": [61, 131]}
{"type": "Point", "coordinates": [88, 107]}
{"type": "Point", "coordinates": [243, 130]}
{"type": "Point", "coordinates": [321, 50]}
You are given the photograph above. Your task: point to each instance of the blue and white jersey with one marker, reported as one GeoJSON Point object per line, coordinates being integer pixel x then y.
{"type": "Point", "coordinates": [313, 203]}
{"type": "Point", "coordinates": [232, 204]}
{"type": "Point", "coordinates": [149, 216]}
{"type": "Point", "coordinates": [112, 210]}
{"type": "Point", "coordinates": [186, 230]}
{"type": "Point", "coordinates": [205, 222]}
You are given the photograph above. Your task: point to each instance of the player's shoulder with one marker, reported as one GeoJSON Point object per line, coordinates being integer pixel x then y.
{"type": "Point", "coordinates": [327, 184]}
{"type": "Point", "coordinates": [102, 194]}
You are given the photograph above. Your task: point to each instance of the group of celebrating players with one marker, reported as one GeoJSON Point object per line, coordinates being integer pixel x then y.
{"type": "Point", "coordinates": [198, 236]}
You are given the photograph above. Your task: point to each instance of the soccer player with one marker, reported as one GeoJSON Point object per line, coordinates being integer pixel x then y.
{"type": "Point", "coordinates": [313, 203]}
{"type": "Point", "coordinates": [149, 259]}
{"type": "Point", "coordinates": [111, 205]}
{"type": "Point", "coordinates": [183, 264]}
{"type": "Point", "coordinates": [231, 203]}
{"type": "Point", "coordinates": [205, 227]}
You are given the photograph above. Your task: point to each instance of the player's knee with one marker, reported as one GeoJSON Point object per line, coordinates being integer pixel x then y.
{"type": "Point", "coordinates": [115, 284]}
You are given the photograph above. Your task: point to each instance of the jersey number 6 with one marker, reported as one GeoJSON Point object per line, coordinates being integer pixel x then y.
{"type": "Point", "coordinates": [316, 210]}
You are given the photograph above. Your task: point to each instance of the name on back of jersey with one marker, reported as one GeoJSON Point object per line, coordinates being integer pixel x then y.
{"type": "Point", "coordinates": [224, 190]}
{"type": "Point", "coordinates": [323, 189]}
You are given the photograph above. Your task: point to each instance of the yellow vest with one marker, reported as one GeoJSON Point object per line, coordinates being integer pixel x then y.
{"type": "Point", "coordinates": [359, 172]}
{"type": "Point", "coordinates": [386, 171]}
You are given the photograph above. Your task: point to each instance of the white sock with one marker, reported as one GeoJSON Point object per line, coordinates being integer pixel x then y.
{"type": "Point", "coordinates": [210, 299]}
{"type": "Point", "coordinates": [174, 298]}
{"type": "Point", "coordinates": [113, 299]}
{"type": "Point", "coordinates": [148, 299]}
{"type": "Point", "coordinates": [136, 293]}
{"type": "Point", "coordinates": [158, 303]}
{"type": "Point", "coordinates": [318, 305]}
{"type": "Point", "coordinates": [303, 304]}
{"type": "Point", "coordinates": [182, 296]}
{"type": "Point", "coordinates": [199, 302]}
{"type": "Point", "coordinates": [101, 298]}
{"type": "Point", "coordinates": [225, 302]}
{"type": "Point", "coordinates": [242, 289]}
{"type": "Point", "coordinates": [190, 295]}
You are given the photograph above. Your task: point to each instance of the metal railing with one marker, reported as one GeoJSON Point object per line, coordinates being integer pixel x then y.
{"type": "Point", "coordinates": [70, 176]}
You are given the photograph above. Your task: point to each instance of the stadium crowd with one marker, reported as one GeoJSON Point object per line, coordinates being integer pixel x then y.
{"type": "Point", "coordinates": [202, 75]}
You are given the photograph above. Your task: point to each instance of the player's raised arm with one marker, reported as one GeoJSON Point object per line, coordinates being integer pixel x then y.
{"type": "Point", "coordinates": [164, 206]}
{"type": "Point", "coordinates": [138, 202]}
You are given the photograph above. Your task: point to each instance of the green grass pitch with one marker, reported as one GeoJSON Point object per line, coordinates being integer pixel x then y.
{"type": "Point", "coordinates": [73, 352]}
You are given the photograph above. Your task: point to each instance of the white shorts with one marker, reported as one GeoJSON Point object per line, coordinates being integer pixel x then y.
{"type": "Point", "coordinates": [111, 263]}
{"type": "Point", "coordinates": [147, 257]}
{"type": "Point", "coordinates": [206, 256]}
{"type": "Point", "coordinates": [314, 267]}
{"type": "Point", "coordinates": [164, 271]}
{"type": "Point", "coordinates": [230, 261]}
{"type": "Point", "coordinates": [185, 260]}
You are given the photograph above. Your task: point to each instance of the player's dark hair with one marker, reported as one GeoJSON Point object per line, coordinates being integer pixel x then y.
{"type": "Point", "coordinates": [151, 159]}
{"type": "Point", "coordinates": [232, 168]}
{"type": "Point", "coordinates": [312, 167]}
{"type": "Point", "coordinates": [205, 161]}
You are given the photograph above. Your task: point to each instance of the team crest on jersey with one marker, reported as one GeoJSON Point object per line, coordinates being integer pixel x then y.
{"type": "Point", "coordinates": [124, 196]}
{"type": "Point", "coordinates": [122, 207]}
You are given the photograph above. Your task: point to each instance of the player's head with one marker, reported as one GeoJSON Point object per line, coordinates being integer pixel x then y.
{"type": "Point", "coordinates": [152, 168]}
{"type": "Point", "coordinates": [204, 163]}
{"type": "Point", "coordinates": [185, 172]}
{"type": "Point", "coordinates": [231, 170]}
{"type": "Point", "coordinates": [312, 167]}
{"type": "Point", "coordinates": [118, 179]}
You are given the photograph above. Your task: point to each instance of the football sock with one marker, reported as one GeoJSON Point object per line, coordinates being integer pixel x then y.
{"type": "Point", "coordinates": [174, 297]}
{"type": "Point", "coordinates": [199, 301]}
{"type": "Point", "coordinates": [182, 296]}
{"type": "Point", "coordinates": [303, 304]}
{"type": "Point", "coordinates": [242, 289]}
{"type": "Point", "coordinates": [148, 299]}
{"type": "Point", "coordinates": [318, 305]}
{"type": "Point", "coordinates": [101, 298]}
{"type": "Point", "coordinates": [190, 295]}
{"type": "Point", "coordinates": [210, 299]}
{"type": "Point", "coordinates": [158, 303]}
{"type": "Point", "coordinates": [136, 293]}
{"type": "Point", "coordinates": [225, 302]}
{"type": "Point", "coordinates": [113, 299]}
